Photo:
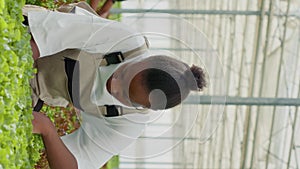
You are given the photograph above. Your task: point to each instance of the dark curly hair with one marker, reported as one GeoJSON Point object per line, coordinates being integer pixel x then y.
{"type": "Point", "coordinates": [172, 80]}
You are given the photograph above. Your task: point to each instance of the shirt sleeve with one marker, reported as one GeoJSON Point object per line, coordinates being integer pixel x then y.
{"type": "Point", "coordinates": [55, 31]}
{"type": "Point", "coordinates": [98, 139]}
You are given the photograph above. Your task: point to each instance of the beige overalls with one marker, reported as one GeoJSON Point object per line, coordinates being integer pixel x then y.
{"type": "Point", "coordinates": [68, 76]}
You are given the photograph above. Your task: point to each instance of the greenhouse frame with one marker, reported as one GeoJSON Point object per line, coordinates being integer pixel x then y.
{"type": "Point", "coordinates": [257, 44]}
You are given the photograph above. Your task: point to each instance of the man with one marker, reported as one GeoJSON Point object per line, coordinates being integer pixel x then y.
{"type": "Point", "coordinates": [81, 42]}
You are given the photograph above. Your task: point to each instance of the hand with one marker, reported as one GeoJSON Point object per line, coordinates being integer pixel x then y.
{"type": "Point", "coordinates": [42, 124]}
{"type": "Point", "coordinates": [58, 154]}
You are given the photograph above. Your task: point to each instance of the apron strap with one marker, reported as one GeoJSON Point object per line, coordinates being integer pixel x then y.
{"type": "Point", "coordinates": [38, 105]}
{"type": "Point", "coordinates": [118, 57]}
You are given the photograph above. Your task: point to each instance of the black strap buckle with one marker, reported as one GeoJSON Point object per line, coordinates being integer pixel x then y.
{"type": "Point", "coordinates": [114, 58]}
{"type": "Point", "coordinates": [112, 111]}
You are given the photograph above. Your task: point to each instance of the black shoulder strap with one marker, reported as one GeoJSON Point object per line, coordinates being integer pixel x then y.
{"type": "Point", "coordinates": [38, 105]}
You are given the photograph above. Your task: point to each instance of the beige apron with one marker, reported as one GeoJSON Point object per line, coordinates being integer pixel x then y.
{"type": "Point", "coordinates": [50, 84]}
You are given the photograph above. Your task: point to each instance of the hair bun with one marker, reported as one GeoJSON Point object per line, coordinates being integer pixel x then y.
{"type": "Point", "coordinates": [199, 77]}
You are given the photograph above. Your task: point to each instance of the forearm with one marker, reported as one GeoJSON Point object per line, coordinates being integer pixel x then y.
{"type": "Point", "coordinates": [94, 4]}
{"type": "Point", "coordinates": [104, 10]}
{"type": "Point", "coordinates": [35, 50]}
{"type": "Point", "coordinates": [58, 154]}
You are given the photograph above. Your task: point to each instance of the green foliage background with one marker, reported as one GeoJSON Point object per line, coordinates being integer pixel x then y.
{"type": "Point", "coordinates": [18, 147]}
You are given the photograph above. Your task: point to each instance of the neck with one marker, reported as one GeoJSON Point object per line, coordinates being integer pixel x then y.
{"type": "Point", "coordinates": [108, 83]}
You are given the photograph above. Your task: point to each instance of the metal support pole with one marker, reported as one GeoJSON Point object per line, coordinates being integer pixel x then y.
{"type": "Point", "coordinates": [222, 46]}
{"type": "Point", "coordinates": [248, 117]}
{"type": "Point", "coordinates": [185, 11]}
{"type": "Point", "coordinates": [292, 143]}
{"type": "Point", "coordinates": [247, 101]}
{"type": "Point", "coordinates": [292, 146]}
{"type": "Point", "coordinates": [265, 52]}
{"type": "Point", "coordinates": [232, 30]}
{"type": "Point", "coordinates": [278, 80]}
{"type": "Point", "coordinates": [153, 163]}
{"type": "Point", "coordinates": [245, 36]}
{"type": "Point", "coordinates": [195, 12]}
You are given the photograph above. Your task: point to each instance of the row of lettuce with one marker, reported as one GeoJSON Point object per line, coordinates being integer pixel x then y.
{"type": "Point", "coordinates": [18, 147]}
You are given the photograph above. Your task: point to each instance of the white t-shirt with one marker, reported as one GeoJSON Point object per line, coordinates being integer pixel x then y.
{"type": "Point", "coordinates": [98, 139]}
{"type": "Point", "coordinates": [56, 31]}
